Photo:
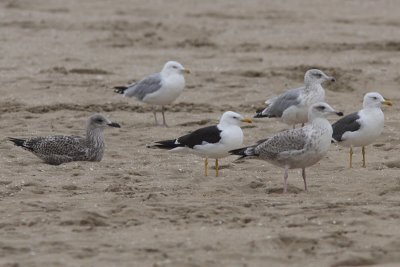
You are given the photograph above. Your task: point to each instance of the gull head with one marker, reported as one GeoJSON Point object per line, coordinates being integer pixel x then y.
{"type": "Point", "coordinates": [321, 110]}
{"type": "Point", "coordinates": [174, 67]}
{"type": "Point", "coordinates": [375, 100]}
{"type": "Point", "coordinates": [98, 121]}
{"type": "Point", "coordinates": [233, 118]}
{"type": "Point", "coordinates": [315, 76]}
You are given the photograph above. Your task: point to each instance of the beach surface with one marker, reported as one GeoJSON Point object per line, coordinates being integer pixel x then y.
{"type": "Point", "coordinates": [145, 207]}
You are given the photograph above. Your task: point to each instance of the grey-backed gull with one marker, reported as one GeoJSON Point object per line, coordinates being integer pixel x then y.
{"type": "Point", "coordinates": [292, 106]}
{"type": "Point", "coordinates": [158, 89]}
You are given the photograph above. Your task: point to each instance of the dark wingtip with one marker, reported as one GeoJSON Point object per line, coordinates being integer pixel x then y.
{"type": "Point", "coordinates": [334, 141]}
{"type": "Point", "coordinates": [238, 152]}
{"type": "Point", "coordinates": [120, 89]}
{"type": "Point", "coordinates": [16, 141]}
{"type": "Point", "coordinates": [339, 113]}
{"type": "Point", "coordinates": [114, 124]}
{"type": "Point", "coordinates": [259, 115]}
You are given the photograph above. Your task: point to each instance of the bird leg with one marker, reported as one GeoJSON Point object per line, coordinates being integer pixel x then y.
{"type": "Point", "coordinates": [216, 168]}
{"type": "Point", "coordinates": [303, 173]}
{"type": "Point", "coordinates": [351, 158]}
{"type": "Point", "coordinates": [205, 167]}
{"type": "Point", "coordinates": [163, 116]}
{"type": "Point", "coordinates": [294, 126]}
{"type": "Point", "coordinates": [285, 176]}
{"type": "Point", "coordinates": [363, 154]}
{"type": "Point", "coordinates": [155, 115]}
{"type": "Point", "coordinates": [302, 125]}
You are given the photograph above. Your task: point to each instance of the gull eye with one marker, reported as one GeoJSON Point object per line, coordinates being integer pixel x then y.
{"type": "Point", "coordinates": [235, 117]}
{"type": "Point", "coordinates": [175, 67]}
{"type": "Point", "coordinates": [99, 120]}
{"type": "Point", "coordinates": [322, 108]}
{"type": "Point", "coordinates": [374, 98]}
{"type": "Point", "coordinates": [318, 75]}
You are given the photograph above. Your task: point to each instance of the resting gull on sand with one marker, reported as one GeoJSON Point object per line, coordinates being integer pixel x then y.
{"type": "Point", "coordinates": [210, 142]}
{"type": "Point", "coordinates": [297, 148]}
{"type": "Point", "coordinates": [158, 89]}
{"type": "Point", "coordinates": [292, 106]}
{"type": "Point", "coordinates": [363, 127]}
{"type": "Point", "coordinates": [58, 149]}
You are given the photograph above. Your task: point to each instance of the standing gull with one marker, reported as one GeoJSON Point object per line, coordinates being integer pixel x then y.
{"type": "Point", "coordinates": [212, 141]}
{"type": "Point", "coordinates": [158, 89]}
{"type": "Point", "coordinates": [58, 149]}
{"type": "Point", "coordinates": [297, 148]}
{"type": "Point", "coordinates": [292, 106]}
{"type": "Point", "coordinates": [363, 127]}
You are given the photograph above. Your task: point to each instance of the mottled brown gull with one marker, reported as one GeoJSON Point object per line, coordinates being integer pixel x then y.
{"type": "Point", "coordinates": [58, 149]}
{"type": "Point", "coordinates": [297, 148]}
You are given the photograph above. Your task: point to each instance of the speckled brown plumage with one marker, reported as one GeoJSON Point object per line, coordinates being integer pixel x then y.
{"type": "Point", "coordinates": [58, 149]}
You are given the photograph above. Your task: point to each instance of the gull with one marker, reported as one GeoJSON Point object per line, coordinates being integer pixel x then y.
{"type": "Point", "coordinates": [158, 89]}
{"type": "Point", "coordinates": [292, 106]}
{"type": "Point", "coordinates": [297, 148]}
{"type": "Point", "coordinates": [58, 149]}
{"type": "Point", "coordinates": [363, 127]}
{"type": "Point", "coordinates": [210, 142]}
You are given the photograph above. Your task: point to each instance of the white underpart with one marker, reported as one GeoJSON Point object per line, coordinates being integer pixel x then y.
{"type": "Point", "coordinates": [371, 121]}
{"type": "Point", "coordinates": [172, 85]}
{"type": "Point", "coordinates": [231, 138]}
{"type": "Point", "coordinates": [299, 113]}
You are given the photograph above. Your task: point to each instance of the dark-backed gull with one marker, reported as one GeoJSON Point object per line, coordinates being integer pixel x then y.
{"type": "Point", "coordinates": [212, 141]}
{"type": "Point", "coordinates": [363, 127]}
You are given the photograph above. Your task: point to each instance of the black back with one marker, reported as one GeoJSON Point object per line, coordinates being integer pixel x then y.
{"type": "Point", "coordinates": [210, 134]}
{"type": "Point", "coordinates": [346, 124]}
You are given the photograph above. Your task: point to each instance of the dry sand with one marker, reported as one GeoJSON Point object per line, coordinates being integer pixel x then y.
{"type": "Point", "coordinates": [142, 207]}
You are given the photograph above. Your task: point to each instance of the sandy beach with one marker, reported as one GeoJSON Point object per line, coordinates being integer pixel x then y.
{"type": "Point", "coordinates": [145, 207]}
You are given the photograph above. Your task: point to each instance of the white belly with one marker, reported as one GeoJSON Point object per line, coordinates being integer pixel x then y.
{"type": "Point", "coordinates": [371, 128]}
{"type": "Point", "coordinates": [299, 114]}
{"type": "Point", "coordinates": [171, 88]}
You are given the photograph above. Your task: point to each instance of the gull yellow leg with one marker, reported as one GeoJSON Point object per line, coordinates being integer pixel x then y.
{"type": "Point", "coordinates": [351, 158]}
{"type": "Point", "coordinates": [216, 168]}
{"type": "Point", "coordinates": [206, 167]}
{"type": "Point", "coordinates": [363, 154]}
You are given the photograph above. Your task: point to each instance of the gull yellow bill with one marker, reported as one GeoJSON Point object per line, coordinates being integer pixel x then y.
{"type": "Point", "coordinates": [248, 120]}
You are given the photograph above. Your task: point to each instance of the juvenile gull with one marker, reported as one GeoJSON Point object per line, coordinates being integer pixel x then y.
{"type": "Point", "coordinates": [58, 149]}
{"type": "Point", "coordinates": [297, 148]}
{"type": "Point", "coordinates": [292, 106]}
{"type": "Point", "coordinates": [363, 127]}
{"type": "Point", "coordinates": [210, 142]}
{"type": "Point", "coordinates": [158, 89]}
